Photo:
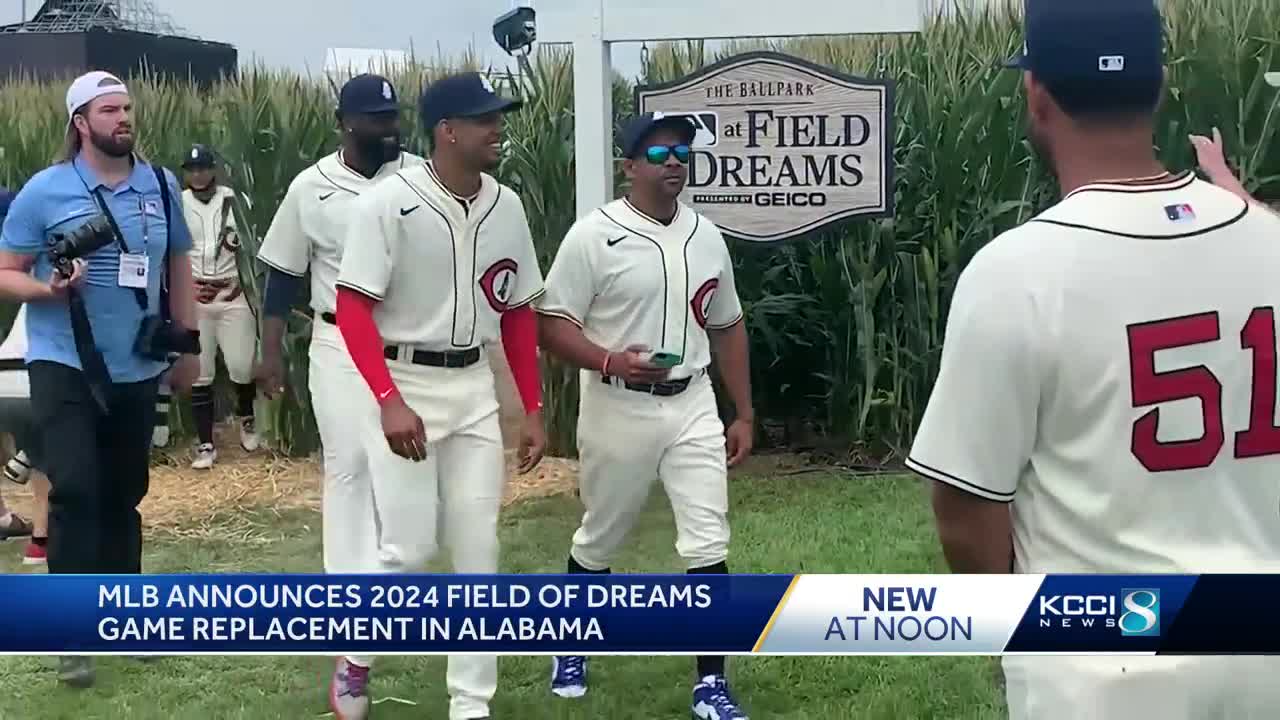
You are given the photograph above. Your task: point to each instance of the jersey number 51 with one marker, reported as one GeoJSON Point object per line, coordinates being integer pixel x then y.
{"type": "Point", "coordinates": [1149, 387]}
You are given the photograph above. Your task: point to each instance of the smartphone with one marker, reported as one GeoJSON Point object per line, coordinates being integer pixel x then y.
{"type": "Point", "coordinates": [665, 359]}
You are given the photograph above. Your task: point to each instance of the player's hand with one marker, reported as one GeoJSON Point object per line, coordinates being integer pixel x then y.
{"type": "Point", "coordinates": [739, 438]}
{"type": "Point", "coordinates": [631, 366]}
{"type": "Point", "coordinates": [404, 430]}
{"type": "Point", "coordinates": [533, 442]}
{"type": "Point", "coordinates": [59, 283]}
{"type": "Point", "coordinates": [1211, 155]}
{"type": "Point", "coordinates": [184, 372]}
{"type": "Point", "coordinates": [269, 374]}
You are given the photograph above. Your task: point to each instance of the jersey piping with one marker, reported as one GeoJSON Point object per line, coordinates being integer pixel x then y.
{"type": "Point", "coordinates": [1134, 236]}
{"type": "Point", "coordinates": [666, 282]}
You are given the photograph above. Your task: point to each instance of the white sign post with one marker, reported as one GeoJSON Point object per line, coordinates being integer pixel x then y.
{"type": "Point", "coordinates": [592, 26]}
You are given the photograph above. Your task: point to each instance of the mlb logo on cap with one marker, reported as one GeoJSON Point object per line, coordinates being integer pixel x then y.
{"type": "Point", "coordinates": [1180, 213]}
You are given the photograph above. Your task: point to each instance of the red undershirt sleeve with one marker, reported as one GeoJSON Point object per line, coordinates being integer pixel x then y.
{"type": "Point", "coordinates": [364, 343]}
{"type": "Point", "coordinates": [520, 343]}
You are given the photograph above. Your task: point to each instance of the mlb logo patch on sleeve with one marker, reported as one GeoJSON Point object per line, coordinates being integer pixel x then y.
{"type": "Point", "coordinates": [1182, 212]}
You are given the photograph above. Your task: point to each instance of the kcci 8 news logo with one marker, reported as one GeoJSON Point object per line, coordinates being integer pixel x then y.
{"type": "Point", "coordinates": [1136, 612]}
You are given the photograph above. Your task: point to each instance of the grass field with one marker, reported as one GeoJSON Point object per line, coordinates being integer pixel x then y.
{"type": "Point", "coordinates": [802, 523]}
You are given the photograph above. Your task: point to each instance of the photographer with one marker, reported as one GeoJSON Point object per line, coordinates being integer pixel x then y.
{"type": "Point", "coordinates": [97, 247]}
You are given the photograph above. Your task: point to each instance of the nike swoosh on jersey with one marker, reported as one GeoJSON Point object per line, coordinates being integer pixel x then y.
{"type": "Point", "coordinates": [406, 211]}
{"type": "Point", "coordinates": [615, 241]}
{"type": "Point", "coordinates": [326, 196]}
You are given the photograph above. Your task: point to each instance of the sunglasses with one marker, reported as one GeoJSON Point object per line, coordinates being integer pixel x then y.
{"type": "Point", "coordinates": [658, 154]}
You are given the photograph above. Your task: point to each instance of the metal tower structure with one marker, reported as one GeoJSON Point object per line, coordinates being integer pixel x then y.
{"type": "Point", "coordinates": [68, 16]}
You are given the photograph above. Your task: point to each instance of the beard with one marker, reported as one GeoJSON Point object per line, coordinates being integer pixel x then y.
{"type": "Point", "coordinates": [110, 145]}
{"type": "Point", "coordinates": [380, 149]}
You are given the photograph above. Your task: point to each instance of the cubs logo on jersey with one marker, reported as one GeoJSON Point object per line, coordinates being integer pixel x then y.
{"type": "Point", "coordinates": [497, 282]}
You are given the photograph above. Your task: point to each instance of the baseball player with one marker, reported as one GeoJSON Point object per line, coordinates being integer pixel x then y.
{"type": "Point", "coordinates": [226, 320]}
{"type": "Point", "coordinates": [640, 295]}
{"type": "Point", "coordinates": [1106, 401]}
{"type": "Point", "coordinates": [307, 235]}
{"type": "Point", "coordinates": [441, 263]}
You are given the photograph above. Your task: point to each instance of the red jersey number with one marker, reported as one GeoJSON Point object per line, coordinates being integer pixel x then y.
{"type": "Point", "coordinates": [1149, 387]}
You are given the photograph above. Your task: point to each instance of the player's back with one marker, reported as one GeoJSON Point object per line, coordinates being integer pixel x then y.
{"type": "Point", "coordinates": [1156, 448]}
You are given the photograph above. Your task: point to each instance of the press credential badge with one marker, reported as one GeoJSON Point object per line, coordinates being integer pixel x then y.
{"type": "Point", "coordinates": [133, 270]}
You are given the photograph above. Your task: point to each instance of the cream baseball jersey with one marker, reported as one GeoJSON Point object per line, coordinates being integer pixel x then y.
{"type": "Point", "coordinates": [443, 273]}
{"type": "Point", "coordinates": [1109, 368]}
{"type": "Point", "coordinates": [310, 226]}
{"type": "Point", "coordinates": [628, 279]}
{"type": "Point", "coordinates": [210, 259]}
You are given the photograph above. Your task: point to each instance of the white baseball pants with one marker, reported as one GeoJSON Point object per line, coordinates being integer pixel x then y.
{"type": "Point", "coordinates": [626, 439]}
{"type": "Point", "coordinates": [450, 499]}
{"type": "Point", "coordinates": [231, 327]}
{"type": "Point", "coordinates": [1122, 688]}
{"type": "Point", "coordinates": [341, 402]}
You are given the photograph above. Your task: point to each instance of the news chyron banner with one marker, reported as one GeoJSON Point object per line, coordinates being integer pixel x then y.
{"type": "Point", "coordinates": [638, 614]}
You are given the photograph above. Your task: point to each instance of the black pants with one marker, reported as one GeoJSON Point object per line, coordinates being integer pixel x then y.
{"type": "Point", "coordinates": [98, 467]}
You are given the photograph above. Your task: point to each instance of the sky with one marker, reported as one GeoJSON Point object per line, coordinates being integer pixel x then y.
{"type": "Point", "coordinates": [296, 33]}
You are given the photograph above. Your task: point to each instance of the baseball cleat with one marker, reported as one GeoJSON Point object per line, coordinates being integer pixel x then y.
{"type": "Point", "coordinates": [18, 468]}
{"type": "Point", "coordinates": [712, 700]}
{"type": "Point", "coordinates": [35, 555]}
{"type": "Point", "coordinates": [205, 457]}
{"type": "Point", "coordinates": [75, 671]}
{"type": "Point", "coordinates": [349, 691]}
{"type": "Point", "coordinates": [569, 676]}
{"type": "Point", "coordinates": [249, 439]}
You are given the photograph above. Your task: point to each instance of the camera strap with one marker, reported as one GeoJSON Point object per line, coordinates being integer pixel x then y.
{"type": "Point", "coordinates": [138, 293]}
{"type": "Point", "coordinates": [92, 364]}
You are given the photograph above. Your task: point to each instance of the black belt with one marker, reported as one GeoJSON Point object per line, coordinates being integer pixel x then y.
{"type": "Point", "coordinates": [662, 389]}
{"type": "Point", "coordinates": [436, 358]}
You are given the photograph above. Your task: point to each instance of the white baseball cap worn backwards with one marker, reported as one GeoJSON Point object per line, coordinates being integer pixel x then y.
{"type": "Point", "coordinates": [91, 86]}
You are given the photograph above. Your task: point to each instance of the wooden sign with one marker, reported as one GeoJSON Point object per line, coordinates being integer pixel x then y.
{"type": "Point", "coordinates": [785, 148]}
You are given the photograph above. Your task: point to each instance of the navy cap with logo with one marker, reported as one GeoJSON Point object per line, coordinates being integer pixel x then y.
{"type": "Point", "coordinates": [368, 94]}
{"type": "Point", "coordinates": [633, 134]}
{"type": "Point", "coordinates": [199, 156]}
{"type": "Point", "coordinates": [459, 96]}
{"type": "Point", "coordinates": [1095, 55]}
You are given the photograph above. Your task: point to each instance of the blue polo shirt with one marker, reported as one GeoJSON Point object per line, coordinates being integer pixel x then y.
{"type": "Point", "coordinates": [58, 200]}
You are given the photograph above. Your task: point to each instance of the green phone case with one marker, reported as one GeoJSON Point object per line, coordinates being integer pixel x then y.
{"type": "Point", "coordinates": [665, 360]}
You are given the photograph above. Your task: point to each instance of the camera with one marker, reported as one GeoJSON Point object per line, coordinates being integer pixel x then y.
{"type": "Point", "coordinates": [516, 30]}
{"type": "Point", "coordinates": [159, 339]}
{"type": "Point", "coordinates": [84, 240]}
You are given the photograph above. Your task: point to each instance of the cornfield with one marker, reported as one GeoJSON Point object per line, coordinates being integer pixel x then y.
{"type": "Point", "coordinates": [846, 326]}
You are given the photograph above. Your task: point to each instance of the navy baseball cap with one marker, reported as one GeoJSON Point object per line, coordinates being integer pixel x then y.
{"type": "Point", "coordinates": [638, 128]}
{"type": "Point", "coordinates": [368, 94]}
{"type": "Point", "coordinates": [1095, 55]}
{"type": "Point", "coordinates": [467, 94]}
{"type": "Point", "coordinates": [199, 156]}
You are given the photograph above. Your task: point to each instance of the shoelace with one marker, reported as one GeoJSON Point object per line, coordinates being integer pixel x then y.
{"type": "Point", "coordinates": [356, 679]}
{"type": "Point", "coordinates": [571, 669]}
{"type": "Point", "coordinates": [721, 699]}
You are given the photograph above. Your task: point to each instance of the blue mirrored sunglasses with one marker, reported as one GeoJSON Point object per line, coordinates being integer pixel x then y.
{"type": "Point", "coordinates": [658, 154]}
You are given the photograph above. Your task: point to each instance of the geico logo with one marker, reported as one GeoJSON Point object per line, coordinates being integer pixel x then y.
{"type": "Point", "coordinates": [795, 199]}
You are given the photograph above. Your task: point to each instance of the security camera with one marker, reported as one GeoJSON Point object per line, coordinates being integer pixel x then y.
{"type": "Point", "coordinates": [516, 30]}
